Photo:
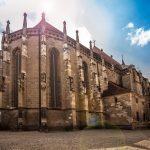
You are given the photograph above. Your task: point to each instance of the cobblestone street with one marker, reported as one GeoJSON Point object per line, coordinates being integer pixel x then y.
{"type": "Point", "coordinates": [77, 140]}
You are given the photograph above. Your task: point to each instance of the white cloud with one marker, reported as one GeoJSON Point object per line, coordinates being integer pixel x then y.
{"type": "Point", "coordinates": [84, 35]}
{"type": "Point", "coordinates": [130, 25]}
{"type": "Point", "coordinates": [2, 2]}
{"type": "Point", "coordinates": [92, 20]}
{"type": "Point", "coordinates": [139, 37]}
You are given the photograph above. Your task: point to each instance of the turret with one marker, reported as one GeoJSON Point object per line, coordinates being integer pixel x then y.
{"type": "Point", "coordinates": [65, 31]}
{"type": "Point", "coordinates": [64, 28]}
{"type": "Point", "coordinates": [91, 49]}
{"type": "Point", "coordinates": [43, 17]}
{"type": "Point", "coordinates": [24, 24]}
{"type": "Point", "coordinates": [77, 36]}
{"type": "Point", "coordinates": [90, 45]}
{"type": "Point", "coordinates": [123, 63]}
{"type": "Point", "coordinates": [8, 27]}
{"type": "Point", "coordinates": [77, 40]}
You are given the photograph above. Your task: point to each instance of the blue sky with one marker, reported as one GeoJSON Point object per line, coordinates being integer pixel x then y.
{"type": "Point", "coordinates": [135, 48]}
{"type": "Point", "coordinates": [120, 27]}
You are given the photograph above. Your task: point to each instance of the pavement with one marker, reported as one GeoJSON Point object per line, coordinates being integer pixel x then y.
{"type": "Point", "coordinates": [76, 140]}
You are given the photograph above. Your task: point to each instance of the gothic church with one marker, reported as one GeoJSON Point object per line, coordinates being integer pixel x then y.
{"type": "Point", "coordinates": [49, 80]}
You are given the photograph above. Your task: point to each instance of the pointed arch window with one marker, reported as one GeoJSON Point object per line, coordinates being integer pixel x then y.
{"type": "Point", "coordinates": [85, 73]}
{"type": "Point", "coordinates": [16, 74]}
{"type": "Point", "coordinates": [55, 87]}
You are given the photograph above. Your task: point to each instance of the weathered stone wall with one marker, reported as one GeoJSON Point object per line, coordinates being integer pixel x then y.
{"type": "Point", "coordinates": [9, 119]}
{"type": "Point", "coordinates": [138, 106]}
{"type": "Point", "coordinates": [127, 81]}
{"type": "Point", "coordinates": [80, 105]}
{"type": "Point", "coordinates": [114, 76]}
{"type": "Point", "coordinates": [118, 109]}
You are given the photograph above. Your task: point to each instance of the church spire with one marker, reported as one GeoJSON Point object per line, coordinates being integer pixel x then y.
{"type": "Point", "coordinates": [90, 45]}
{"type": "Point", "coordinates": [24, 23]}
{"type": "Point", "coordinates": [25, 20]}
{"type": "Point", "coordinates": [8, 27]}
{"type": "Point", "coordinates": [65, 31]}
{"type": "Point", "coordinates": [64, 28]}
{"type": "Point", "coordinates": [77, 36]}
{"type": "Point", "coordinates": [123, 63]}
{"type": "Point", "coordinates": [43, 17]}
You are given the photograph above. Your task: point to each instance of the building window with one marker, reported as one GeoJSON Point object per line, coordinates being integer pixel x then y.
{"type": "Point", "coordinates": [55, 87]}
{"type": "Point", "coordinates": [86, 78]}
{"type": "Point", "coordinates": [16, 75]}
{"type": "Point", "coordinates": [137, 116]}
{"type": "Point", "coordinates": [136, 100]}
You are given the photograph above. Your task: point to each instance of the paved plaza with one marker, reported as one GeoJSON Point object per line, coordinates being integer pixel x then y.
{"type": "Point", "coordinates": [76, 140]}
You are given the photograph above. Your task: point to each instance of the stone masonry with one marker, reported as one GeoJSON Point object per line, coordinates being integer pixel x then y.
{"type": "Point", "coordinates": [49, 80]}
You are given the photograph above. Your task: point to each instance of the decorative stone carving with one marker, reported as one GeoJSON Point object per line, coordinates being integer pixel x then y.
{"type": "Point", "coordinates": [43, 81]}
{"type": "Point", "coordinates": [24, 50]}
{"type": "Point", "coordinates": [69, 69]}
{"type": "Point", "coordinates": [71, 84]}
{"type": "Point", "coordinates": [79, 60]}
{"type": "Point", "coordinates": [5, 45]}
{"type": "Point", "coordinates": [6, 56]}
{"type": "Point", "coordinates": [66, 55]}
{"type": "Point", "coordinates": [43, 38]}
{"type": "Point", "coordinates": [24, 39]}
{"type": "Point", "coordinates": [21, 81]}
{"type": "Point", "coordinates": [43, 77]}
{"type": "Point", "coordinates": [43, 50]}
{"type": "Point", "coordinates": [43, 85]}
{"type": "Point", "coordinates": [65, 46]}
{"type": "Point", "coordinates": [81, 74]}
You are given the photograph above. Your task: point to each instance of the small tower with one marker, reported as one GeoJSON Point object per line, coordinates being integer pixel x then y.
{"type": "Point", "coordinates": [123, 63]}
{"type": "Point", "coordinates": [64, 28]}
{"type": "Point", "coordinates": [77, 36]}
{"type": "Point", "coordinates": [65, 31]}
{"type": "Point", "coordinates": [25, 20]}
{"type": "Point", "coordinates": [8, 27]}
{"type": "Point", "coordinates": [77, 41]}
{"type": "Point", "coordinates": [24, 24]}
{"type": "Point", "coordinates": [43, 17]}
{"type": "Point", "coordinates": [91, 49]}
{"type": "Point", "coordinates": [90, 45]}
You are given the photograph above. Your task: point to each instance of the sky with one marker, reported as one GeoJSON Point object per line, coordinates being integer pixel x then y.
{"type": "Point", "coordinates": [120, 27]}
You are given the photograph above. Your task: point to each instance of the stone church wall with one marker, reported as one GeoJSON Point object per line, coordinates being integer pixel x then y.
{"type": "Point", "coordinates": [118, 110]}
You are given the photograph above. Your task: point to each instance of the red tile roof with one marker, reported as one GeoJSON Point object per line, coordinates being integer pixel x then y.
{"type": "Point", "coordinates": [106, 57]}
